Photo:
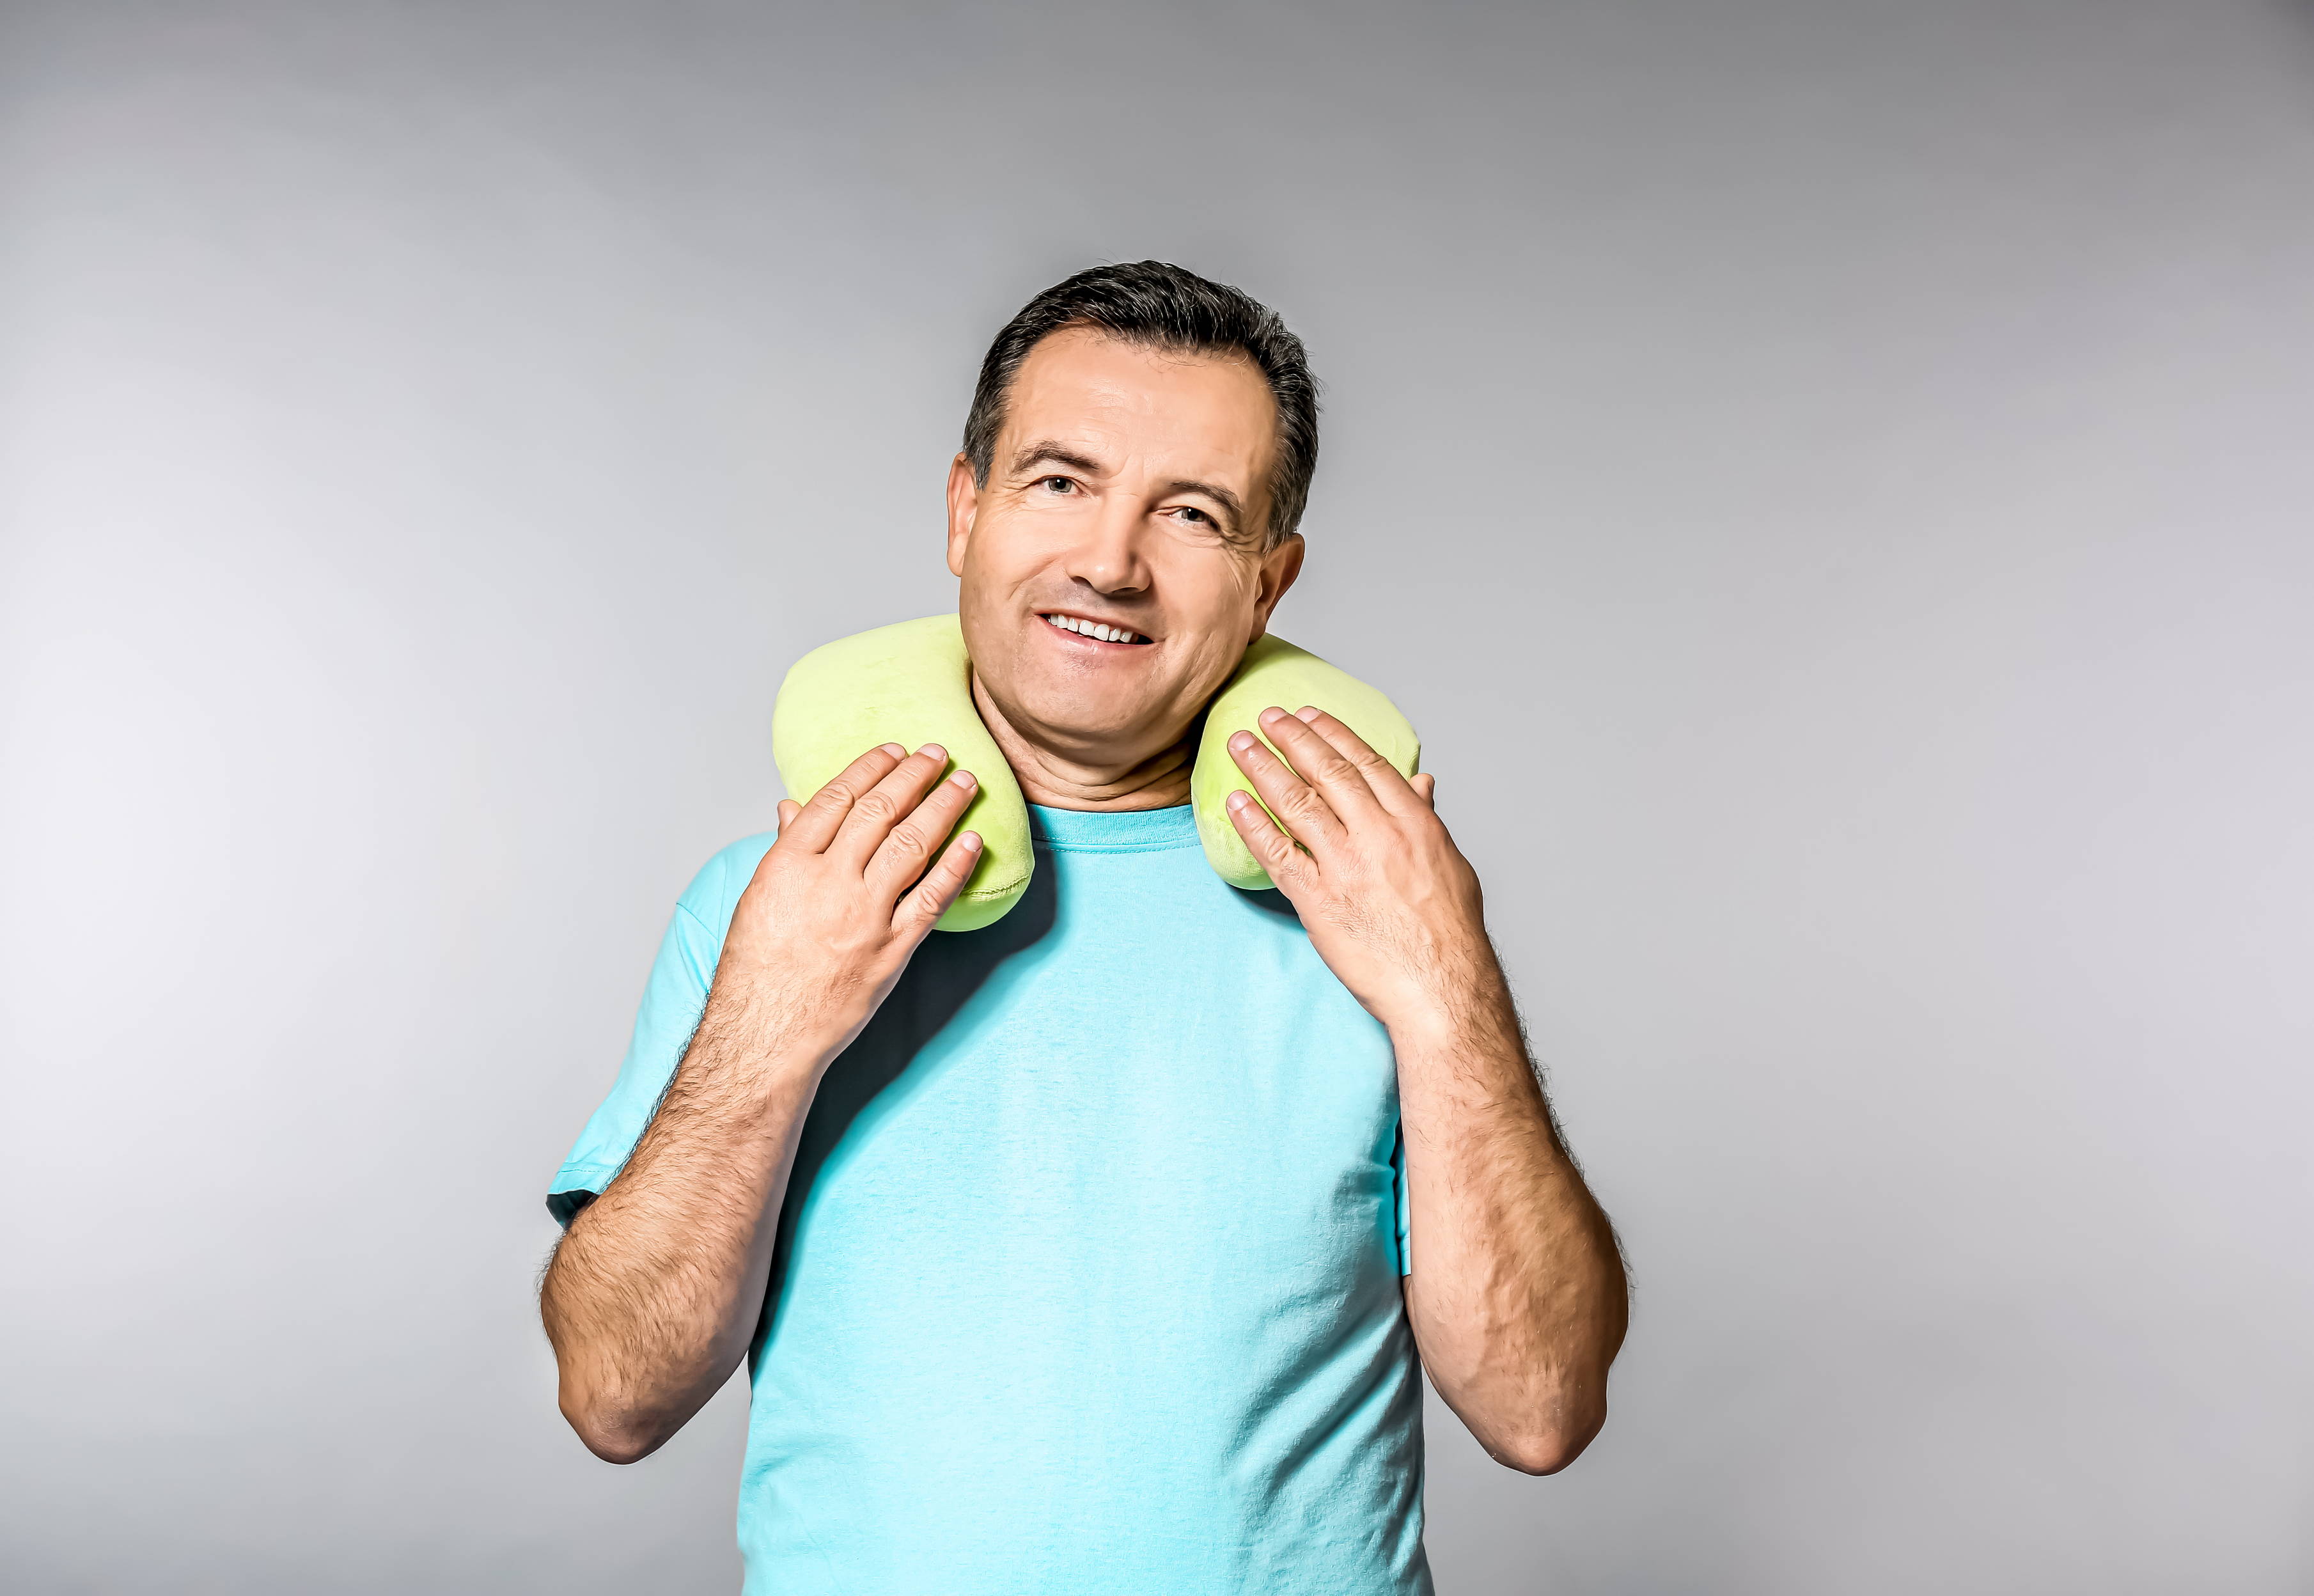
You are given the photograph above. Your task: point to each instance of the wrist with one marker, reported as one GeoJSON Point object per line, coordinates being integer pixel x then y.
{"type": "Point", "coordinates": [1428, 1031]}
{"type": "Point", "coordinates": [1451, 1013]}
{"type": "Point", "coordinates": [763, 1038]}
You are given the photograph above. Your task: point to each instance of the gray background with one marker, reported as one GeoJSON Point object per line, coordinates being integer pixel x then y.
{"type": "Point", "coordinates": [1832, 481]}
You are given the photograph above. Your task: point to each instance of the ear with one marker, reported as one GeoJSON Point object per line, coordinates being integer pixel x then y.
{"type": "Point", "coordinates": [1279, 567]}
{"type": "Point", "coordinates": [963, 506]}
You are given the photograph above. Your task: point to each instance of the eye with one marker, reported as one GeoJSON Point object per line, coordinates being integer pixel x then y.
{"type": "Point", "coordinates": [1196, 517]}
{"type": "Point", "coordinates": [1056, 484]}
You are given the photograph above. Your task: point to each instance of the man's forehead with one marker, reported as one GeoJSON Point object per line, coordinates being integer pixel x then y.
{"type": "Point", "coordinates": [1107, 395]}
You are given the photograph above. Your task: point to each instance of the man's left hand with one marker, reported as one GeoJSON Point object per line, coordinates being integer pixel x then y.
{"type": "Point", "coordinates": [1390, 903]}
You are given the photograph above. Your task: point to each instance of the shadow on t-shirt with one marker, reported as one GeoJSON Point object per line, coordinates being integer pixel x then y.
{"type": "Point", "coordinates": [941, 978]}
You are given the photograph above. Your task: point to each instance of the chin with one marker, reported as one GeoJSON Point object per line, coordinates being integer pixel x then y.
{"type": "Point", "coordinates": [1067, 717]}
{"type": "Point", "coordinates": [1065, 711]}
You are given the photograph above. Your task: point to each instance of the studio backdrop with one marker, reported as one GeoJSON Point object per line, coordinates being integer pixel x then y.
{"type": "Point", "coordinates": [1830, 481]}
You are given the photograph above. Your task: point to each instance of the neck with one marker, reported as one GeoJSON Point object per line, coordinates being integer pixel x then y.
{"type": "Point", "coordinates": [1069, 781]}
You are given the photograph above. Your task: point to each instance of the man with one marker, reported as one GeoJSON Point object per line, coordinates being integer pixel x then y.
{"type": "Point", "coordinates": [1091, 1251]}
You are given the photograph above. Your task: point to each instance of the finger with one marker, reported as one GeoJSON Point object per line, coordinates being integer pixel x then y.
{"type": "Point", "coordinates": [1286, 864]}
{"type": "Point", "coordinates": [1321, 764]}
{"type": "Point", "coordinates": [816, 825]}
{"type": "Point", "coordinates": [915, 839]}
{"type": "Point", "coordinates": [1290, 799]}
{"type": "Point", "coordinates": [789, 810]}
{"type": "Point", "coordinates": [919, 911]}
{"type": "Point", "coordinates": [884, 806]}
{"type": "Point", "coordinates": [1390, 788]}
{"type": "Point", "coordinates": [1426, 788]}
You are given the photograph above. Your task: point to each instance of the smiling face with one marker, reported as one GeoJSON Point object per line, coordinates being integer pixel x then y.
{"type": "Point", "coordinates": [1113, 566]}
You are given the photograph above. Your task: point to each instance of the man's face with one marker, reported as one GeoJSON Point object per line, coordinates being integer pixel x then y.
{"type": "Point", "coordinates": [1129, 490]}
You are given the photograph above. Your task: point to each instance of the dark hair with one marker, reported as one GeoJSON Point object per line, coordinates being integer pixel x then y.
{"type": "Point", "coordinates": [1167, 307]}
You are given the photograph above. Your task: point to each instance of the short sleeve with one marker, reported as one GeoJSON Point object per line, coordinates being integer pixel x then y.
{"type": "Point", "coordinates": [1405, 1205]}
{"type": "Point", "coordinates": [672, 1001]}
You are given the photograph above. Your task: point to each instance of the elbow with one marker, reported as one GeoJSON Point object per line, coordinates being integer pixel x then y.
{"type": "Point", "coordinates": [610, 1436]}
{"type": "Point", "coordinates": [1546, 1447]}
{"type": "Point", "coordinates": [614, 1447]}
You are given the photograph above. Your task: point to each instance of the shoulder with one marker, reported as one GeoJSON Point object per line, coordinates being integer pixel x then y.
{"type": "Point", "coordinates": [714, 892]}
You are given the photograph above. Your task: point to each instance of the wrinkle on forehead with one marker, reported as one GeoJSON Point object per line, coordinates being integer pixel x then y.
{"type": "Point", "coordinates": [1161, 410]}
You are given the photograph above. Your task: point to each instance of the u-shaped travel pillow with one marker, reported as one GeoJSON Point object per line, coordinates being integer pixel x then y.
{"type": "Point", "coordinates": [911, 684]}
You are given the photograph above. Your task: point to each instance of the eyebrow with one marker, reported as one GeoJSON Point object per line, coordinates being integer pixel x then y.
{"type": "Point", "coordinates": [1048, 452]}
{"type": "Point", "coordinates": [1058, 455]}
{"type": "Point", "coordinates": [1217, 493]}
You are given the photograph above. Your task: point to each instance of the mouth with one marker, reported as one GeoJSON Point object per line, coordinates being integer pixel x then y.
{"type": "Point", "coordinates": [1098, 631]}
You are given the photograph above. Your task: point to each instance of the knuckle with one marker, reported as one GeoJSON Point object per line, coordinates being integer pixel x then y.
{"type": "Point", "coordinates": [877, 807]}
{"type": "Point", "coordinates": [1301, 805]}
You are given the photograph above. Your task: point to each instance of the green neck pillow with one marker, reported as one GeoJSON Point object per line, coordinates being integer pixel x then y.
{"type": "Point", "coordinates": [911, 684]}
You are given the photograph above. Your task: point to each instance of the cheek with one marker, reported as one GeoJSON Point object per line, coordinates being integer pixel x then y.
{"type": "Point", "coordinates": [1219, 608]}
{"type": "Point", "coordinates": [1206, 586]}
{"type": "Point", "coordinates": [994, 568]}
{"type": "Point", "coordinates": [1202, 673]}
{"type": "Point", "coordinates": [1011, 550]}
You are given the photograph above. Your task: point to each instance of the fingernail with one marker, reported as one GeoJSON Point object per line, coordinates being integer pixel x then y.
{"type": "Point", "coordinates": [896, 751]}
{"type": "Point", "coordinates": [935, 751]}
{"type": "Point", "coordinates": [962, 778]}
{"type": "Point", "coordinates": [1306, 713]}
{"type": "Point", "coordinates": [1242, 742]}
{"type": "Point", "coordinates": [971, 841]}
{"type": "Point", "coordinates": [1272, 715]}
{"type": "Point", "coordinates": [1239, 798]}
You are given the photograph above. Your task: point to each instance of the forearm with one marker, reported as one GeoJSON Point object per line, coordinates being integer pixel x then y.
{"type": "Point", "coordinates": [1516, 1293]}
{"type": "Point", "coordinates": [1515, 1290]}
{"type": "Point", "coordinates": [655, 1291]}
{"type": "Point", "coordinates": [652, 1295]}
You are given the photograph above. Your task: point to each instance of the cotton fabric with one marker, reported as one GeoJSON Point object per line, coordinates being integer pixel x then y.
{"type": "Point", "coordinates": [1088, 1275]}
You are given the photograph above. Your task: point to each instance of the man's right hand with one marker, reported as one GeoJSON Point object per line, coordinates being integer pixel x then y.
{"type": "Point", "coordinates": [843, 898]}
{"type": "Point", "coordinates": [655, 1290]}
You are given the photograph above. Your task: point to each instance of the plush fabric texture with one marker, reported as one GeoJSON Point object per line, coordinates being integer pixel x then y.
{"type": "Point", "coordinates": [1274, 672]}
{"type": "Point", "coordinates": [911, 684]}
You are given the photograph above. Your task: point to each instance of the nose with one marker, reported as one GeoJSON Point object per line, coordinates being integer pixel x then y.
{"type": "Point", "coordinates": [1109, 557]}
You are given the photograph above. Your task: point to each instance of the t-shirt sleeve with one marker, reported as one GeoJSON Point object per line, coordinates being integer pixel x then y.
{"type": "Point", "coordinates": [1405, 1203]}
{"type": "Point", "coordinates": [673, 1000]}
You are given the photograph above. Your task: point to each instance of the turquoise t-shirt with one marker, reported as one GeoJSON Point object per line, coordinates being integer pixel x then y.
{"type": "Point", "coordinates": [1088, 1274]}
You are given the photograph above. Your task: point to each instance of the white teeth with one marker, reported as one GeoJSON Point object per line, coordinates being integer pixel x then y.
{"type": "Point", "coordinates": [1094, 629]}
